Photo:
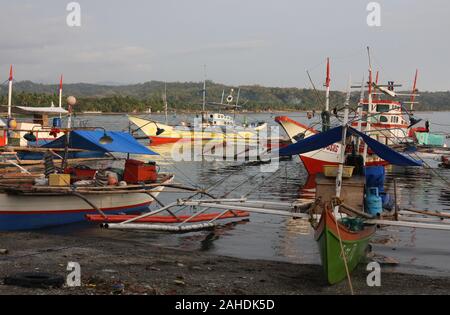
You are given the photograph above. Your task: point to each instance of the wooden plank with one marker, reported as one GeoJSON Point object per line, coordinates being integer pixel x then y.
{"type": "Point", "coordinates": [408, 224]}
{"type": "Point", "coordinates": [430, 213]}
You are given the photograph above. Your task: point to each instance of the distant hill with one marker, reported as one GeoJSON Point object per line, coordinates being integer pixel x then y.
{"type": "Point", "coordinates": [187, 96]}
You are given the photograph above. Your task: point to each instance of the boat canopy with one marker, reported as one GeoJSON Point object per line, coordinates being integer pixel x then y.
{"type": "Point", "coordinates": [30, 110]}
{"type": "Point", "coordinates": [324, 139]}
{"type": "Point", "coordinates": [90, 140]}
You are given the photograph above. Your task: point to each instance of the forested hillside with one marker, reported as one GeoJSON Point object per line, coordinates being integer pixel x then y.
{"type": "Point", "coordinates": [188, 96]}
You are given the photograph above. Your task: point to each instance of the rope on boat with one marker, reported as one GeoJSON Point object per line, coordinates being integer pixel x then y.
{"type": "Point", "coordinates": [344, 256]}
{"type": "Point", "coordinates": [49, 165]}
{"type": "Point", "coordinates": [24, 170]}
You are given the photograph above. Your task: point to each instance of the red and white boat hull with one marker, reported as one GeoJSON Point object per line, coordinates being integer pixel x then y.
{"type": "Point", "coordinates": [315, 160]}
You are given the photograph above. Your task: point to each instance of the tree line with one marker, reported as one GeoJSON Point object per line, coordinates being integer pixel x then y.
{"type": "Point", "coordinates": [187, 96]}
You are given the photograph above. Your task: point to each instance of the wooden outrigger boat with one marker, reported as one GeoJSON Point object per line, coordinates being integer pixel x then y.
{"type": "Point", "coordinates": [30, 201]}
{"type": "Point", "coordinates": [211, 126]}
{"type": "Point", "coordinates": [35, 132]}
{"type": "Point", "coordinates": [385, 120]}
{"type": "Point", "coordinates": [341, 247]}
{"type": "Point", "coordinates": [217, 127]}
{"type": "Point", "coordinates": [36, 207]}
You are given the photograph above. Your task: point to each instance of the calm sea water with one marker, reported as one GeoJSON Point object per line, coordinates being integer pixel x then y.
{"type": "Point", "coordinates": [279, 238]}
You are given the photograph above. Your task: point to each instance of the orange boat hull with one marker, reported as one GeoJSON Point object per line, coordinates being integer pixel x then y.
{"type": "Point", "coordinates": [165, 218]}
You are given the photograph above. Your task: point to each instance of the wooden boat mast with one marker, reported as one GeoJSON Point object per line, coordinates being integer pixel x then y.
{"type": "Point", "coordinates": [165, 103]}
{"type": "Point", "coordinates": [327, 85]}
{"type": "Point", "coordinates": [359, 111]}
{"type": "Point", "coordinates": [369, 106]}
{"type": "Point", "coordinates": [342, 153]}
{"type": "Point", "coordinates": [60, 93]}
{"type": "Point", "coordinates": [10, 92]}
{"type": "Point", "coordinates": [204, 95]}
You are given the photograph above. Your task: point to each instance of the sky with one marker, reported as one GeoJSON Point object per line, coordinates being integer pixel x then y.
{"type": "Point", "coordinates": [241, 42]}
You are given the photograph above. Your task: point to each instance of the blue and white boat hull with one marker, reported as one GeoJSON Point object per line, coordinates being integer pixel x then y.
{"type": "Point", "coordinates": [25, 212]}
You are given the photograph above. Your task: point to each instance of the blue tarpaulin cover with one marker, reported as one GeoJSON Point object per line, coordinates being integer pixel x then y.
{"type": "Point", "coordinates": [90, 140]}
{"type": "Point", "coordinates": [324, 139]}
{"type": "Point", "coordinates": [315, 142]}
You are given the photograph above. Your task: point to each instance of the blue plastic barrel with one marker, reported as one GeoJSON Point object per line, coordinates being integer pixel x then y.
{"type": "Point", "coordinates": [57, 122]}
{"type": "Point", "coordinates": [374, 203]}
{"type": "Point", "coordinates": [375, 177]}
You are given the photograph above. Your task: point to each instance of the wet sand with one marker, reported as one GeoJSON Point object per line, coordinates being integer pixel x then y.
{"type": "Point", "coordinates": [129, 267]}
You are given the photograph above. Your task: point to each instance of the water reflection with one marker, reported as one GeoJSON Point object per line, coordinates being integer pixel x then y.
{"type": "Point", "coordinates": [277, 238]}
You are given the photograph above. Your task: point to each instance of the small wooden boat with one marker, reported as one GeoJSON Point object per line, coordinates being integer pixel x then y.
{"type": "Point", "coordinates": [31, 201]}
{"type": "Point", "coordinates": [386, 122]}
{"type": "Point", "coordinates": [37, 131]}
{"type": "Point", "coordinates": [25, 206]}
{"type": "Point", "coordinates": [314, 161]}
{"type": "Point", "coordinates": [216, 127]}
{"type": "Point", "coordinates": [341, 249]}
{"type": "Point", "coordinates": [341, 244]}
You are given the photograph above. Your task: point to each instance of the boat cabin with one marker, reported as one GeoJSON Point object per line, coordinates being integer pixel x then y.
{"type": "Point", "coordinates": [386, 112]}
{"type": "Point", "coordinates": [386, 119]}
{"type": "Point", "coordinates": [218, 119]}
{"type": "Point", "coordinates": [39, 125]}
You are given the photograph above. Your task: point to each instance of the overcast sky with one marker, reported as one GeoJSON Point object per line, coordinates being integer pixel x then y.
{"type": "Point", "coordinates": [264, 42]}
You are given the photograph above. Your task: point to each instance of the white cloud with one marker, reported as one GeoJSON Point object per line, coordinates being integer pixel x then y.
{"type": "Point", "coordinates": [224, 46]}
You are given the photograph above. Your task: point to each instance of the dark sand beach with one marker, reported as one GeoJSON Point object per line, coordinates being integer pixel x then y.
{"type": "Point", "coordinates": [129, 267]}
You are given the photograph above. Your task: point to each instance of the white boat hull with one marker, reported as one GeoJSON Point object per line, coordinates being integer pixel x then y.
{"type": "Point", "coordinates": [24, 212]}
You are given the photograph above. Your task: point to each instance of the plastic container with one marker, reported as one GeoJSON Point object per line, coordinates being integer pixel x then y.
{"type": "Point", "coordinates": [374, 203]}
{"type": "Point", "coordinates": [138, 171]}
{"type": "Point", "coordinates": [332, 171]}
{"type": "Point", "coordinates": [3, 138]}
{"type": "Point", "coordinates": [57, 122]}
{"type": "Point", "coordinates": [425, 138]}
{"type": "Point", "coordinates": [375, 177]}
{"type": "Point", "coordinates": [59, 180]}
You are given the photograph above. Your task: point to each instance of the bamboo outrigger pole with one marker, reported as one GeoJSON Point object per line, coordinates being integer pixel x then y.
{"type": "Point", "coordinates": [60, 94]}
{"type": "Point", "coordinates": [10, 92]}
{"type": "Point", "coordinates": [342, 153]}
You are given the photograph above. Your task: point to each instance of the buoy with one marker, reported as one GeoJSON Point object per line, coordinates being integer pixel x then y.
{"type": "Point", "coordinates": [12, 123]}
{"type": "Point", "coordinates": [71, 100]}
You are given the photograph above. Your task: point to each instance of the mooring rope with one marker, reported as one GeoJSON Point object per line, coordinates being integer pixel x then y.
{"type": "Point", "coordinates": [344, 256]}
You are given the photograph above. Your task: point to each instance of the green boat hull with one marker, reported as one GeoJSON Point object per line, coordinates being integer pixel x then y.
{"type": "Point", "coordinates": [354, 243]}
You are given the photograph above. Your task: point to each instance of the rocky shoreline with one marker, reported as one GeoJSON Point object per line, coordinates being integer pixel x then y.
{"type": "Point", "coordinates": [110, 266]}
